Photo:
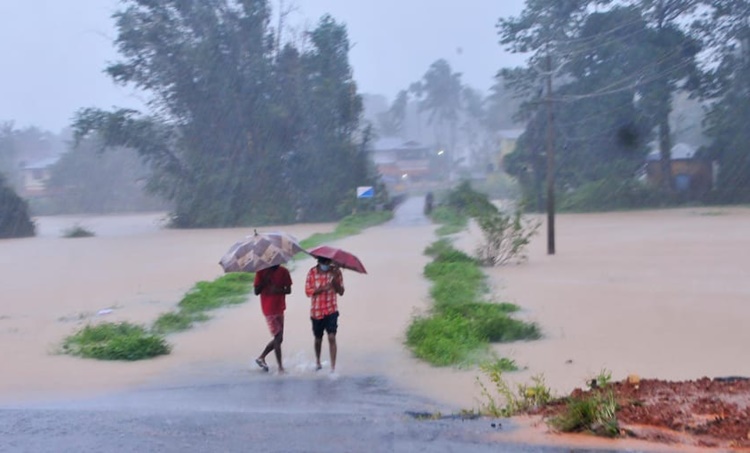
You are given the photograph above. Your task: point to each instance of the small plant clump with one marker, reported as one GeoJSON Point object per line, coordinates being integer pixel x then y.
{"type": "Point", "coordinates": [594, 412]}
{"type": "Point", "coordinates": [503, 401]}
{"type": "Point", "coordinates": [229, 289]}
{"type": "Point", "coordinates": [115, 341]}
{"type": "Point", "coordinates": [505, 237]}
{"type": "Point", "coordinates": [177, 321]}
{"type": "Point", "coordinates": [77, 231]}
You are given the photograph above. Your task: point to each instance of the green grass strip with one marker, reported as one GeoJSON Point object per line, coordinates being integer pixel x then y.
{"type": "Point", "coordinates": [460, 325]}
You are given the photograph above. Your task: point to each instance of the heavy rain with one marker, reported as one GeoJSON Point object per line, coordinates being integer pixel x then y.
{"type": "Point", "coordinates": [517, 225]}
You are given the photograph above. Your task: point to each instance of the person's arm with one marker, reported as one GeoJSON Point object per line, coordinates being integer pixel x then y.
{"type": "Point", "coordinates": [286, 287]}
{"type": "Point", "coordinates": [338, 283]}
{"type": "Point", "coordinates": [258, 283]}
{"type": "Point", "coordinates": [309, 284]}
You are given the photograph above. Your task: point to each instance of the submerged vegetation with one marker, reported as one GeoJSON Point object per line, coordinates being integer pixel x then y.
{"type": "Point", "coordinates": [461, 323]}
{"type": "Point", "coordinates": [77, 231]}
{"type": "Point", "coordinates": [348, 226]}
{"type": "Point", "coordinates": [115, 341]}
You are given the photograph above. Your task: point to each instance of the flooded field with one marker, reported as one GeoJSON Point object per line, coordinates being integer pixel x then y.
{"type": "Point", "coordinates": [658, 293]}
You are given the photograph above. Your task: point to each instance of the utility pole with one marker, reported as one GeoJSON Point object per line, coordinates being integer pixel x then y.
{"type": "Point", "coordinates": [550, 162]}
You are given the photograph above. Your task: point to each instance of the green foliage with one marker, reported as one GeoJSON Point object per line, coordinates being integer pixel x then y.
{"type": "Point", "coordinates": [460, 325]}
{"type": "Point", "coordinates": [451, 220]}
{"type": "Point", "coordinates": [15, 221]}
{"type": "Point", "coordinates": [243, 130]}
{"type": "Point", "coordinates": [595, 412]}
{"type": "Point", "coordinates": [443, 339]}
{"type": "Point", "coordinates": [468, 201]}
{"type": "Point", "coordinates": [109, 341]}
{"type": "Point", "coordinates": [77, 231]}
{"type": "Point", "coordinates": [348, 226]}
{"type": "Point", "coordinates": [505, 237]}
{"type": "Point", "coordinates": [500, 400]}
{"type": "Point", "coordinates": [177, 321]}
{"type": "Point", "coordinates": [229, 289]}
{"type": "Point", "coordinates": [617, 69]}
{"type": "Point", "coordinates": [500, 365]}
{"type": "Point", "coordinates": [612, 194]}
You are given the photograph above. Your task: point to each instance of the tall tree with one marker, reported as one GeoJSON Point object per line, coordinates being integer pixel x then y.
{"type": "Point", "coordinates": [727, 29]}
{"type": "Point", "coordinates": [392, 122]}
{"type": "Point", "coordinates": [673, 67]}
{"type": "Point", "coordinates": [439, 94]}
{"type": "Point", "coordinates": [232, 114]}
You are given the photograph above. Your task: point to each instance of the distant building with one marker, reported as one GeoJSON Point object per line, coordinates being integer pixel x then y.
{"type": "Point", "coordinates": [397, 160]}
{"type": "Point", "coordinates": [35, 176]}
{"type": "Point", "coordinates": [691, 175]}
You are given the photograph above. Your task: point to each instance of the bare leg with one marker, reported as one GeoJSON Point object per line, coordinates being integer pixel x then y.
{"type": "Point", "coordinates": [332, 347]}
{"type": "Point", "coordinates": [318, 342]}
{"type": "Point", "coordinates": [267, 350]}
{"type": "Point", "coordinates": [277, 340]}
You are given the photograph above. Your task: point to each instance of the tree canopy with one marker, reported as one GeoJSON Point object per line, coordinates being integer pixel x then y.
{"type": "Point", "coordinates": [241, 129]}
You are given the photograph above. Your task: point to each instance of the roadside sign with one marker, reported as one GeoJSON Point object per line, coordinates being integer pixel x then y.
{"type": "Point", "coordinates": [365, 192]}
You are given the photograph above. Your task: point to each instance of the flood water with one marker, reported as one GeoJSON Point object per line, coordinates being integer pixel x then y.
{"type": "Point", "coordinates": [658, 293]}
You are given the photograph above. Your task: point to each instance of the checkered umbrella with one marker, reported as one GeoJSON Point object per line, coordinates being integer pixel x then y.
{"type": "Point", "coordinates": [260, 251]}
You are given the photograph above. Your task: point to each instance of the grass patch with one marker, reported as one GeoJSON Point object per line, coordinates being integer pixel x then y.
{"type": "Point", "coordinates": [501, 364]}
{"type": "Point", "coordinates": [77, 231]}
{"type": "Point", "coordinates": [443, 339]}
{"type": "Point", "coordinates": [177, 321]}
{"type": "Point", "coordinates": [229, 289]}
{"type": "Point", "coordinates": [460, 326]}
{"type": "Point", "coordinates": [451, 221]}
{"type": "Point", "coordinates": [115, 341]}
{"type": "Point", "coordinates": [348, 226]}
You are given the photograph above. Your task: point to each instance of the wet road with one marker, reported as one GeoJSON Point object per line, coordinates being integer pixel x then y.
{"type": "Point", "coordinates": [268, 414]}
{"type": "Point", "coordinates": [229, 411]}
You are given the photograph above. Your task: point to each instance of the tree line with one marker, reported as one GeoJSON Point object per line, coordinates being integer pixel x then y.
{"type": "Point", "coordinates": [617, 68]}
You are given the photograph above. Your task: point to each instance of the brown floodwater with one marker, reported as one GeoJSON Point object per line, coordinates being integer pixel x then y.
{"type": "Point", "coordinates": [659, 293]}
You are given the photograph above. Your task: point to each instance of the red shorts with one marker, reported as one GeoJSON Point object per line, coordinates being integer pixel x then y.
{"type": "Point", "coordinates": [275, 324]}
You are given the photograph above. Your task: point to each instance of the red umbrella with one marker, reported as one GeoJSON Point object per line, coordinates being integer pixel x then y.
{"type": "Point", "coordinates": [341, 257]}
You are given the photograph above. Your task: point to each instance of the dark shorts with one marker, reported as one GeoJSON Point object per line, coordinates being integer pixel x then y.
{"type": "Point", "coordinates": [328, 324]}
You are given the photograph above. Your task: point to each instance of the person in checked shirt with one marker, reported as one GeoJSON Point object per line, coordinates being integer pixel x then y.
{"type": "Point", "coordinates": [323, 285]}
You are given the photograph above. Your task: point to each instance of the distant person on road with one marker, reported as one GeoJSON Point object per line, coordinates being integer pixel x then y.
{"type": "Point", "coordinates": [273, 284]}
{"type": "Point", "coordinates": [428, 201]}
{"type": "Point", "coordinates": [323, 285]}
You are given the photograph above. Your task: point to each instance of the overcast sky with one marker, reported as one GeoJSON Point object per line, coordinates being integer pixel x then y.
{"type": "Point", "coordinates": [53, 51]}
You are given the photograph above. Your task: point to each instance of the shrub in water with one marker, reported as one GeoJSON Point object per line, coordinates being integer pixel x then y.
{"type": "Point", "coordinates": [15, 221]}
{"type": "Point", "coordinates": [115, 341]}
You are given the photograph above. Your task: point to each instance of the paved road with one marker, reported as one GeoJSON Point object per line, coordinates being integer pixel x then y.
{"type": "Point", "coordinates": [253, 413]}
{"type": "Point", "coordinates": [273, 414]}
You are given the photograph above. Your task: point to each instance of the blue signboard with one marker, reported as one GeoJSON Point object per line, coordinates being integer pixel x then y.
{"type": "Point", "coordinates": [365, 192]}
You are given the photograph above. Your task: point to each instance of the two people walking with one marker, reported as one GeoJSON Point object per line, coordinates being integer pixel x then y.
{"type": "Point", "coordinates": [323, 285]}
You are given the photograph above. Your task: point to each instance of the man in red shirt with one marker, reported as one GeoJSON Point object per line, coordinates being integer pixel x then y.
{"type": "Point", "coordinates": [323, 284]}
{"type": "Point", "coordinates": [273, 284]}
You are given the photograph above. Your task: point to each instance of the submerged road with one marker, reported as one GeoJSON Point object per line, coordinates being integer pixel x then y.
{"type": "Point", "coordinates": [230, 413]}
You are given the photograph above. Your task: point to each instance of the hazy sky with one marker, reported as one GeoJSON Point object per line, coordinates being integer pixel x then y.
{"type": "Point", "coordinates": [53, 51]}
